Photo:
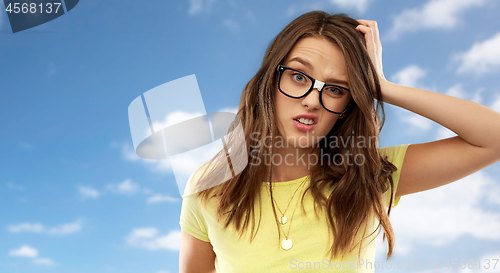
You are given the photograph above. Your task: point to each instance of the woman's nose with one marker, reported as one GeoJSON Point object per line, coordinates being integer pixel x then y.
{"type": "Point", "coordinates": [312, 99]}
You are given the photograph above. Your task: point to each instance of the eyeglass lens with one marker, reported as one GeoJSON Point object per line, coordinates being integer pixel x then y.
{"type": "Point", "coordinates": [297, 84]}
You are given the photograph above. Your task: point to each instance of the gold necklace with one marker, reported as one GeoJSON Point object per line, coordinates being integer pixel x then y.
{"type": "Point", "coordinates": [287, 243]}
{"type": "Point", "coordinates": [283, 220]}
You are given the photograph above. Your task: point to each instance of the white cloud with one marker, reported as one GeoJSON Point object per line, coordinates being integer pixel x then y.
{"type": "Point", "coordinates": [496, 104]}
{"type": "Point", "coordinates": [233, 110]}
{"type": "Point", "coordinates": [294, 9]}
{"type": "Point", "coordinates": [382, 247]}
{"type": "Point", "coordinates": [482, 58]}
{"type": "Point", "coordinates": [231, 24]}
{"type": "Point", "coordinates": [435, 14]}
{"type": "Point", "coordinates": [149, 238]}
{"type": "Point", "coordinates": [250, 16]}
{"type": "Point", "coordinates": [444, 132]}
{"type": "Point", "coordinates": [24, 251]}
{"type": "Point", "coordinates": [444, 214]}
{"type": "Point", "coordinates": [44, 261]}
{"type": "Point", "coordinates": [127, 187]}
{"type": "Point", "coordinates": [147, 191]}
{"type": "Point", "coordinates": [198, 6]}
{"type": "Point", "coordinates": [61, 230]}
{"type": "Point", "coordinates": [359, 5]}
{"type": "Point", "coordinates": [87, 192]}
{"type": "Point", "coordinates": [51, 69]}
{"type": "Point", "coordinates": [490, 264]}
{"type": "Point", "coordinates": [477, 96]}
{"type": "Point", "coordinates": [143, 233]}
{"type": "Point", "coordinates": [14, 186]}
{"type": "Point", "coordinates": [162, 198]}
{"type": "Point", "coordinates": [25, 145]}
{"type": "Point", "coordinates": [493, 195]}
{"type": "Point", "coordinates": [66, 229]}
{"type": "Point", "coordinates": [129, 153]}
{"type": "Point", "coordinates": [409, 76]}
{"type": "Point", "coordinates": [417, 122]}
{"type": "Point", "coordinates": [458, 91]}
{"type": "Point", "coordinates": [30, 252]}
{"type": "Point", "coordinates": [26, 227]}
{"type": "Point", "coordinates": [195, 6]}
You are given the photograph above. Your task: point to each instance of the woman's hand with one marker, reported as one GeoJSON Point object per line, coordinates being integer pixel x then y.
{"type": "Point", "coordinates": [433, 164]}
{"type": "Point", "coordinates": [373, 45]}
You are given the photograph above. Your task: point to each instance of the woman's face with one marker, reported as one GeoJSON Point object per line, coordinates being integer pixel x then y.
{"type": "Point", "coordinates": [324, 61]}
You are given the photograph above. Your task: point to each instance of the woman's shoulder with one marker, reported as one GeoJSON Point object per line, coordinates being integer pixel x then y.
{"type": "Point", "coordinates": [207, 177]}
{"type": "Point", "coordinates": [394, 154]}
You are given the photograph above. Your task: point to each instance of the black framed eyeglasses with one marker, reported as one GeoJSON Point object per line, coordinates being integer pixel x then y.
{"type": "Point", "coordinates": [296, 84]}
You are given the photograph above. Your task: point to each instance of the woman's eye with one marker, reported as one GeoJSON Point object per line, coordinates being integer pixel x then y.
{"type": "Point", "coordinates": [299, 78]}
{"type": "Point", "coordinates": [333, 90]}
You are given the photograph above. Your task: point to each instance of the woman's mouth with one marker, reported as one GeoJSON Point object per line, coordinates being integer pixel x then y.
{"type": "Point", "coordinates": [304, 125]}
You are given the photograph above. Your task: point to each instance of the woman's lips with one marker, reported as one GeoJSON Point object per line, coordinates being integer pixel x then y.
{"type": "Point", "coordinates": [303, 127]}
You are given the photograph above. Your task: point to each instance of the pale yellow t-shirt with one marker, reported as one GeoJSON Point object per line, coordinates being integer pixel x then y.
{"type": "Point", "coordinates": [310, 235]}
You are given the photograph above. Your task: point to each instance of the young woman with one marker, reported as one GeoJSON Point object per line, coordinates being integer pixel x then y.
{"type": "Point", "coordinates": [317, 188]}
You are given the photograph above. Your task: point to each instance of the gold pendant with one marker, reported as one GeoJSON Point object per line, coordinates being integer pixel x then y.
{"type": "Point", "coordinates": [286, 244]}
{"type": "Point", "coordinates": [283, 219]}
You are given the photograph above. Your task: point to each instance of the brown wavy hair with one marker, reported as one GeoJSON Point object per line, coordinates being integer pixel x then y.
{"type": "Point", "coordinates": [362, 184]}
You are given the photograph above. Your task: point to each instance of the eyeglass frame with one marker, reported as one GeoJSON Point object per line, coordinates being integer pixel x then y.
{"type": "Point", "coordinates": [319, 85]}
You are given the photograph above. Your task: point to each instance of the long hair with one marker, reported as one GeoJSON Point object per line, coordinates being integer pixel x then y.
{"type": "Point", "coordinates": [356, 190]}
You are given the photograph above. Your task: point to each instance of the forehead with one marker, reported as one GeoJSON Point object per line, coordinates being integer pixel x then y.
{"type": "Point", "coordinates": [319, 56]}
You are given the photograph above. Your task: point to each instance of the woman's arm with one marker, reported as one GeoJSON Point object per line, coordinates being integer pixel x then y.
{"type": "Point", "coordinates": [195, 256]}
{"type": "Point", "coordinates": [433, 164]}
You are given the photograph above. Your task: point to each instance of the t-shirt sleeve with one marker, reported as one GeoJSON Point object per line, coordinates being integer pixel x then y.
{"type": "Point", "coordinates": [192, 220]}
{"type": "Point", "coordinates": [395, 155]}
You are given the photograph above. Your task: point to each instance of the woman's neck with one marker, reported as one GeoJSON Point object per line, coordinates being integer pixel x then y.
{"type": "Point", "coordinates": [291, 163]}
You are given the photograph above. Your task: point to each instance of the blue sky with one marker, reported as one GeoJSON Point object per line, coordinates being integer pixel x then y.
{"type": "Point", "coordinates": [74, 197]}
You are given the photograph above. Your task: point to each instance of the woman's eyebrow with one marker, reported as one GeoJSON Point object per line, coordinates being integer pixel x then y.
{"type": "Point", "coordinates": [337, 81]}
{"type": "Point", "coordinates": [303, 62]}
{"type": "Point", "coordinates": [308, 65]}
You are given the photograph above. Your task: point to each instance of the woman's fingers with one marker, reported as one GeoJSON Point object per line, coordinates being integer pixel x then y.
{"type": "Point", "coordinates": [371, 24]}
{"type": "Point", "coordinates": [371, 28]}
{"type": "Point", "coordinates": [373, 45]}
{"type": "Point", "coordinates": [369, 36]}
{"type": "Point", "coordinates": [368, 23]}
